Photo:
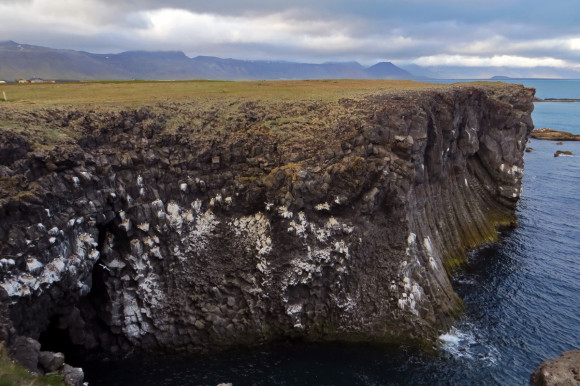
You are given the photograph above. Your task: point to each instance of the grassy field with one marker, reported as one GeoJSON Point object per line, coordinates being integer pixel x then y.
{"type": "Point", "coordinates": [138, 93]}
{"type": "Point", "coordinates": [203, 108]}
{"type": "Point", "coordinates": [54, 114]}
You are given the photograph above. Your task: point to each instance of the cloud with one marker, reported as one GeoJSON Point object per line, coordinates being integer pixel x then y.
{"type": "Point", "coordinates": [296, 37]}
{"type": "Point", "coordinates": [523, 33]}
{"type": "Point", "coordinates": [490, 61]}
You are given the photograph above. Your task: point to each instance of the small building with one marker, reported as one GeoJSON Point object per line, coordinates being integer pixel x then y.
{"type": "Point", "coordinates": [2, 81]}
{"type": "Point", "coordinates": [22, 80]}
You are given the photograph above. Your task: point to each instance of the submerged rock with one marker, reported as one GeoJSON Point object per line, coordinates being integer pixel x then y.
{"type": "Point", "coordinates": [554, 135]}
{"type": "Point", "coordinates": [564, 370]}
{"type": "Point", "coordinates": [562, 152]}
{"type": "Point", "coordinates": [179, 228]}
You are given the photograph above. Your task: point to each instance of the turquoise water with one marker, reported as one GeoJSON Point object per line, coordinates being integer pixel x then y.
{"type": "Point", "coordinates": [522, 297]}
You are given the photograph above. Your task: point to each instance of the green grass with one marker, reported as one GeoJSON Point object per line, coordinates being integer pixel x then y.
{"type": "Point", "coordinates": [202, 108]}
{"type": "Point", "coordinates": [12, 374]}
{"type": "Point", "coordinates": [295, 113]}
{"type": "Point", "coordinates": [140, 92]}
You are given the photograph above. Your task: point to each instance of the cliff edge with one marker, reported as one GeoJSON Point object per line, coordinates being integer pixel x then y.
{"type": "Point", "coordinates": [188, 225]}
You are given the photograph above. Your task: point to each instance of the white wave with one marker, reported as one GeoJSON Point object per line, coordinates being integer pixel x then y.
{"type": "Point", "coordinates": [464, 280]}
{"type": "Point", "coordinates": [467, 343]}
{"type": "Point", "coordinates": [449, 339]}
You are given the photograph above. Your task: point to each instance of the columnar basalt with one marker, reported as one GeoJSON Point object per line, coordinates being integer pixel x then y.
{"type": "Point", "coordinates": [161, 229]}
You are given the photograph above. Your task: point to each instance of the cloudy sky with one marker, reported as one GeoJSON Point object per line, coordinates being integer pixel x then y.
{"type": "Point", "coordinates": [513, 33]}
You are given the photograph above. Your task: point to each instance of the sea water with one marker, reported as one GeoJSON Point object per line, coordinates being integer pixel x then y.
{"type": "Point", "coordinates": [522, 298]}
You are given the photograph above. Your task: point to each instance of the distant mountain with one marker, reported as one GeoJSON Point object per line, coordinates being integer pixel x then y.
{"type": "Point", "coordinates": [27, 61]}
{"type": "Point", "coordinates": [389, 71]}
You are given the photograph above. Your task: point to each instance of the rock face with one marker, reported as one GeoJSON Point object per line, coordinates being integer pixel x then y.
{"type": "Point", "coordinates": [164, 229]}
{"type": "Point", "coordinates": [564, 370]}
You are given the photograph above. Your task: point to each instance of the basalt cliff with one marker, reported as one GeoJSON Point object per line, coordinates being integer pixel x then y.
{"type": "Point", "coordinates": [179, 228]}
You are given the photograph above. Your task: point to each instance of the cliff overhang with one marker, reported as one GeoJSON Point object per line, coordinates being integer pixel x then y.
{"type": "Point", "coordinates": [187, 226]}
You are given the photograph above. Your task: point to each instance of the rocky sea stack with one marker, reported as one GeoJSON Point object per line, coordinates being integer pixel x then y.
{"type": "Point", "coordinates": [564, 370]}
{"type": "Point", "coordinates": [196, 224]}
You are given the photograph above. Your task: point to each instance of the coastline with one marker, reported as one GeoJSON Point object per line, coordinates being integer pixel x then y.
{"type": "Point", "coordinates": [556, 100]}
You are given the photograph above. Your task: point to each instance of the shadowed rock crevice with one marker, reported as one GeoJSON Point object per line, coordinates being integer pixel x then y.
{"type": "Point", "coordinates": [57, 339]}
{"type": "Point", "coordinates": [83, 327]}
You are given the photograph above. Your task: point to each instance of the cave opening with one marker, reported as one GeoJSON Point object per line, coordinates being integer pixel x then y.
{"type": "Point", "coordinates": [78, 326]}
{"type": "Point", "coordinates": [57, 339]}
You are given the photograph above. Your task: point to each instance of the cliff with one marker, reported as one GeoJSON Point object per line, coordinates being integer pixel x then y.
{"type": "Point", "coordinates": [184, 225]}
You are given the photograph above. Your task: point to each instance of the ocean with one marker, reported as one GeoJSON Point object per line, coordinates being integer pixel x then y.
{"type": "Point", "coordinates": [522, 298]}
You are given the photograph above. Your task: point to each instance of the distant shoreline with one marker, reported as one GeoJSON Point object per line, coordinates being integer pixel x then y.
{"type": "Point", "coordinates": [556, 100]}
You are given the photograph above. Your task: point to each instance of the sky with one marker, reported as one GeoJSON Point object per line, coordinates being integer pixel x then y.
{"type": "Point", "coordinates": [514, 33]}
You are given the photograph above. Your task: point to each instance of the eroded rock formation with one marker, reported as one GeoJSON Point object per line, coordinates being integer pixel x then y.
{"type": "Point", "coordinates": [161, 229]}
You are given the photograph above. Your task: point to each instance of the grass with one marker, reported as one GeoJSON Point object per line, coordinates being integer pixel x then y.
{"type": "Point", "coordinates": [295, 113]}
{"type": "Point", "coordinates": [43, 136]}
{"type": "Point", "coordinates": [202, 108]}
{"type": "Point", "coordinates": [12, 374]}
{"type": "Point", "coordinates": [137, 93]}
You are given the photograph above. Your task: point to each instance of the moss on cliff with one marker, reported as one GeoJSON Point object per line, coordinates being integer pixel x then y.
{"type": "Point", "coordinates": [13, 374]}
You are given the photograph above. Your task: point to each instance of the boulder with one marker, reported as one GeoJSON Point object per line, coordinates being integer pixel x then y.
{"type": "Point", "coordinates": [564, 370]}
{"type": "Point", "coordinates": [12, 147]}
{"type": "Point", "coordinates": [73, 376]}
{"type": "Point", "coordinates": [50, 361]}
{"type": "Point", "coordinates": [26, 351]}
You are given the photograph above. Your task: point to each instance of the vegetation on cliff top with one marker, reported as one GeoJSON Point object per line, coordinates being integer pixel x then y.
{"type": "Point", "coordinates": [204, 108]}
{"type": "Point", "coordinates": [139, 92]}
{"type": "Point", "coordinates": [53, 114]}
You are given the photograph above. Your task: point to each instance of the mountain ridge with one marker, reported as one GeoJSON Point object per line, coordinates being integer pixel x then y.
{"type": "Point", "coordinates": [25, 61]}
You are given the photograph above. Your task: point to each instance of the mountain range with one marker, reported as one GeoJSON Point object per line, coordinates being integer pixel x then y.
{"type": "Point", "coordinates": [27, 61]}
